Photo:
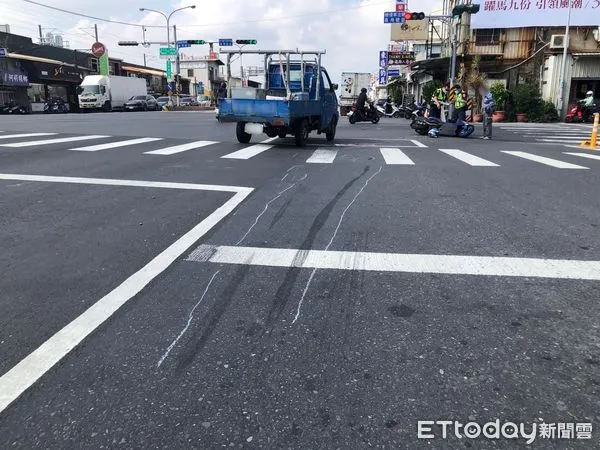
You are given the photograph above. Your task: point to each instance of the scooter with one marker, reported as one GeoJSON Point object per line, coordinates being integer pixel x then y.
{"type": "Point", "coordinates": [388, 110]}
{"type": "Point", "coordinates": [56, 106]}
{"type": "Point", "coordinates": [434, 127]}
{"type": "Point", "coordinates": [576, 114]}
{"type": "Point", "coordinates": [357, 116]}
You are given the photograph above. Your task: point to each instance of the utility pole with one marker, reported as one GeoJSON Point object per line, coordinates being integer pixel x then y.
{"type": "Point", "coordinates": [96, 31]}
{"type": "Point", "coordinates": [41, 38]}
{"type": "Point", "coordinates": [563, 68]}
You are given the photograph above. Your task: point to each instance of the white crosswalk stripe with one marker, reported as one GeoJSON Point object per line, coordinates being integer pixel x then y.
{"type": "Point", "coordinates": [557, 133]}
{"type": "Point", "coordinates": [471, 160]}
{"type": "Point", "coordinates": [24, 135]}
{"type": "Point", "coordinates": [248, 152]}
{"type": "Point", "coordinates": [180, 148]}
{"type": "Point", "coordinates": [395, 156]}
{"type": "Point", "coordinates": [583, 155]}
{"type": "Point", "coordinates": [322, 156]}
{"type": "Point", "coordinates": [54, 141]}
{"type": "Point", "coordinates": [96, 148]}
{"type": "Point", "coordinates": [544, 160]}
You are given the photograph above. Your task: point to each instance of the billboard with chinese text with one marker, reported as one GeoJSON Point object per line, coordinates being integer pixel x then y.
{"type": "Point", "coordinates": [535, 13]}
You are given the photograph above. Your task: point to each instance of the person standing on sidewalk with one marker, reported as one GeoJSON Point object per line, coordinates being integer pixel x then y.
{"type": "Point", "coordinates": [488, 110]}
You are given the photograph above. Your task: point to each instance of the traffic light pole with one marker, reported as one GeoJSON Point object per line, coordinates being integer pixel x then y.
{"type": "Point", "coordinates": [454, 52]}
{"type": "Point", "coordinates": [177, 66]}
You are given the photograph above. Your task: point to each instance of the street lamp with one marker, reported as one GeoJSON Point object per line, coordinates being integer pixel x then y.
{"type": "Point", "coordinates": [168, 18]}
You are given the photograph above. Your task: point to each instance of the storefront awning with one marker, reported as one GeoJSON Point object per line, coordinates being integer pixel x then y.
{"type": "Point", "coordinates": [144, 70]}
{"type": "Point", "coordinates": [431, 64]}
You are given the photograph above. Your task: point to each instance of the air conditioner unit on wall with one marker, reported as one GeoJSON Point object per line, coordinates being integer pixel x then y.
{"type": "Point", "coordinates": [557, 41]}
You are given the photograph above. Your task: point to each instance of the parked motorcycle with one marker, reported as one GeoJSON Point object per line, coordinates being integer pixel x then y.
{"type": "Point", "coordinates": [56, 105]}
{"type": "Point", "coordinates": [415, 110]}
{"type": "Point", "coordinates": [12, 108]}
{"type": "Point", "coordinates": [434, 127]}
{"type": "Point", "coordinates": [388, 109]}
{"type": "Point", "coordinates": [370, 115]}
{"type": "Point", "coordinates": [577, 114]}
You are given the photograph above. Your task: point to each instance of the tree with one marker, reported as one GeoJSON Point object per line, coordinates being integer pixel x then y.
{"type": "Point", "coordinates": [475, 79]}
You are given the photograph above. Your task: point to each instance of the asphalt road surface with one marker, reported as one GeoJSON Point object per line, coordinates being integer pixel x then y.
{"type": "Point", "coordinates": [164, 286]}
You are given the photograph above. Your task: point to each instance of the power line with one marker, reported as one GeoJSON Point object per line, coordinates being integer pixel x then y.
{"type": "Point", "coordinates": [91, 17]}
{"type": "Point", "coordinates": [317, 13]}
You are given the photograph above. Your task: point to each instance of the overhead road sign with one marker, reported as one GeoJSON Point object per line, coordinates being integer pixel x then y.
{"type": "Point", "coordinates": [167, 52]}
{"type": "Point", "coordinates": [393, 17]}
{"type": "Point", "coordinates": [225, 42]}
{"type": "Point", "coordinates": [183, 44]}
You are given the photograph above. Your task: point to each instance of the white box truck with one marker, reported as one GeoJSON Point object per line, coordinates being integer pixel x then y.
{"type": "Point", "coordinates": [352, 83]}
{"type": "Point", "coordinates": [107, 93]}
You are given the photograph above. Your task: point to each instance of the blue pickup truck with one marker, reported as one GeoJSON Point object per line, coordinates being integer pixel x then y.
{"type": "Point", "coordinates": [298, 98]}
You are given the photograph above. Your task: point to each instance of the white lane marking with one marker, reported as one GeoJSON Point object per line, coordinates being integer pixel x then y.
{"type": "Point", "coordinates": [335, 232]}
{"type": "Point", "coordinates": [189, 321]}
{"type": "Point", "coordinates": [543, 160]}
{"type": "Point", "coordinates": [96, 148]}
{"type": "Point", "coordinates": [418, 144]}
{"type": "Point", "coordinates": [565, 140]}
{"type": "Point", "coordinates": [583, 155]}
{"type": "Point", "coordinates": [24, 135]}
{"type": "Point", "coordinates": [579, 147]}
{"type": "Point", "coordinates": [465, 157]}
{"type": "Point", "coordinates": [54, 141]}
{"type": "Point", "coordinates": [248, 152]}
{"type": "Point", "coordinates": [401, 262]}
{"type": "Point", "coordinates": [180, 148]}
{"type": "Point", "coordinates": [117, 182]}
{"type": "Point", "coordinates": [23, 375]}
{"type": "Point", "coordinates": [322, 156]}
{"type": "Point", "coordinates": [395, 156]}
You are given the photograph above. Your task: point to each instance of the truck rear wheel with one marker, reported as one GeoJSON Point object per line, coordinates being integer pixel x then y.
{"type": "Point", "coordinates": [107, 107]}
{"type": "Point", "coordinates": [330, 132]}
{"type": "Point", "coordinates": [240, 133]}
{"type": "Point", "coordinates": [301, 132]}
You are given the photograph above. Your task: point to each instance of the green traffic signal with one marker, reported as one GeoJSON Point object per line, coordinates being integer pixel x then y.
{"type": "Point", "coordinates": [196, 42]}
{"type": "Point", "coordinates": [245, 41]}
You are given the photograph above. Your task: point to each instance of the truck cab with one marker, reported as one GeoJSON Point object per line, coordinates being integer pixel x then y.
{"type": "Point", "coordinates": [93, 93]}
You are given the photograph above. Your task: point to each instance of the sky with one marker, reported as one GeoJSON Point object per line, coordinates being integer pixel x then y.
{"type": "Point", "coordinates": [351, 31]}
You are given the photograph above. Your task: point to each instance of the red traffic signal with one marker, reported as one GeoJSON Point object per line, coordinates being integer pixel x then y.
{"type": "Point", "coordinates": [414, 16]}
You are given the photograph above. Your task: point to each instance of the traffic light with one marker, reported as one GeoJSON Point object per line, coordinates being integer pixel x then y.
{"type": "Point", "coordinates": [245, 41]}
{"type": "Point", "coordinates": [196, 41]}
{"type": "Point", "coordinates": [458, 10]}
{"type": "Point", "coordinates": [414, 16]}
{"type": "Point", "coordinates": [128, 43]}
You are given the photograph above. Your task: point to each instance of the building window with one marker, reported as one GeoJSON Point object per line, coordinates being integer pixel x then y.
{"type": "Point", "coordinates": [489, 36]}
{"type": "Point", "coordinates": [190, 73]}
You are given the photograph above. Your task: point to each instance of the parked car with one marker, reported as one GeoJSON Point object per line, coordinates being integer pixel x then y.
{"type": "Point", "coordinates": [187, 100]}
{"type": "Point", "coordinates": [162, 101]}
{"type": "Point", "coordinates": [142, 103]}
{"type": "Point", "coordinates": [203, 101]}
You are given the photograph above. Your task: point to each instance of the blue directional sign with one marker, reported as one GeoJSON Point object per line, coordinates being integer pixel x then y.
{"type": "Point", "coordinates": [225, 42]}
{"type": "Point", "coordinates": [383, 58]}
{"type": "Point", "coordinates": [383, 77]}
{"type": "Point", "coordinates": [169, 87]}
{"type": "Point", "coordinates": [393, 73]}
{"type": "Point", "coordinates": [3, 52]}
{"type": "Point", "coordinates": [393, 17]}
{"type": "Point", "coordinates": [182, 44]}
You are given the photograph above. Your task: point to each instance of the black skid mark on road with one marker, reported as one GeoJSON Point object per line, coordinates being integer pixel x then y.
{"type": "Point", "coordinates": [283, 292]}
{"type": "Point", "coordinates": [279, 214]}
{"type": "Point", "coordinates": [198, 339]}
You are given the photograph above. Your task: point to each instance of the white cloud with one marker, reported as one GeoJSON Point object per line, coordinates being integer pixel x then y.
{"type": "Point", "coordinates": [352, 33]}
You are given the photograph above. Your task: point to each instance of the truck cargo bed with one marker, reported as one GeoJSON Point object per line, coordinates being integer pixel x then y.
{"type": "Point", "coordinates": [266, 111]}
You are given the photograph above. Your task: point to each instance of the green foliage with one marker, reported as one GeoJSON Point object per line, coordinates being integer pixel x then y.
{"type": "Point", "coordinates": [429, 88]}
{"type": "Point", "coordinates": [475, 79]}
{"type": "Point", "coordinates": [395, 89]}
{"type": "Point", "coordinates": [550, 114]}
{"type": "Point", "coordinates": [500, 95]}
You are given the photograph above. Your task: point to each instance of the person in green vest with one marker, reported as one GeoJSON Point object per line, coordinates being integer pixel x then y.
{"type": "Point", "coordinates": [460, 103]}
{"type": "Point", "coordinates": [440, 95]}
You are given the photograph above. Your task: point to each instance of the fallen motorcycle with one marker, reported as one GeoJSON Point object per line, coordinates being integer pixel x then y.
{"type": "Point", "coordinates": [434, 127]}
